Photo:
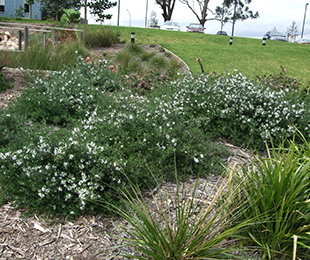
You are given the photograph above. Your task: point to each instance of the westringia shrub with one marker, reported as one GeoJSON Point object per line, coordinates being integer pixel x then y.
{"type": "Point", "coordinates": [104, 130]}
{"type": "Point", "coordinates": [68, 94]}
{"type": "Point", "coordinates": [235, 108]}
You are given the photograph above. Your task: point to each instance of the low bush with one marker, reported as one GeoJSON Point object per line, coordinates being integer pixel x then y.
{"type": "Point", "coordinates": [5, 61]}
{"type": "Point", "coordinates": [68, 138]}
{"type": "Point", "coordinates": [237, 109]}
{"type": "Point", "coordinates": [68, 94]}
{"type": "Point", "coordinates": [65, 169]}
{"type": "Point", "coordinates": [134, 61]}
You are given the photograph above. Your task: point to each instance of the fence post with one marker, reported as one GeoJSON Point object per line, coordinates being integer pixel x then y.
{"type": "Point", "coordinates": [55, 36]}
{"type": "Point", "coordinates": [26, 37]}
{"type": "Point", "coordinates": [44, 39]}
{"type": "Point", "coordinates": [20, 40]}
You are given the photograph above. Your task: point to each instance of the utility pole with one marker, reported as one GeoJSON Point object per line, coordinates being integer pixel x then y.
{"type": "Point", "coordinates": [147, 2]}
{"type": "Point", "coordinates": [303, 25]}
{"type": "Point", "coordinates": [119, 6]}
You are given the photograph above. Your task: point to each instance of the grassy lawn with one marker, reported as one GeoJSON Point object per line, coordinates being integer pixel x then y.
{"type": "Point", "coordinates": [245, 55]}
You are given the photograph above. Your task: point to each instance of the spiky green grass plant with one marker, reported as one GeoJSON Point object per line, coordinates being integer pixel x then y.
{"type": "Point", "coordinates": [182, 226]}
{"type": "Point", "coordinates": [275, 191]}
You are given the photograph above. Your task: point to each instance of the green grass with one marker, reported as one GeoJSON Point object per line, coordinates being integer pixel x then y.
{"type": "Point", "coordinates": [245, 54]}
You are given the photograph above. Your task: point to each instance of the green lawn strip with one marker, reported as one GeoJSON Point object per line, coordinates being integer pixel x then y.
{"type": "Point", "coordinates": [251, 60]}
{"type": "Point", "coordinates": [245, 54]}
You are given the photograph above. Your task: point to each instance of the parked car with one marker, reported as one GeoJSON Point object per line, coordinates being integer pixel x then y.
{"type": "Point", "coordinates": [303, 41]}
{"type": "Point", "coordinates": [172, 26]}
{"type": "Point", "coordinates": [222, 33]}
{"type": "Point", "coordinates": [276, 36]}
{"type": "Point", "coordinates": [195, 27]}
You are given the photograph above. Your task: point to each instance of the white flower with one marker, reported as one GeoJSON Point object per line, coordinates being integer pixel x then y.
{"type": "Point", "coordinates": [196, 160]}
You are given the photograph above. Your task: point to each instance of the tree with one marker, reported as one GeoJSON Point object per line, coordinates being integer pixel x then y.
{"type": "Point", "coordinates": [292, 32]}
{"type": "Point", "coordinates": [203, 8]}
{"type": "Point", "coordinates": [238, 11]}
{"type": "Point", "coordinates": [98, 6]}
{"type": "Point", "coordinates": [30, 3]}
{"type": "Point", "coordinates": [54, 8]}
{"type": "Point", "coordinates": [153, 20]}
{"type": "Point", "coordinates": [167, 6]}
{"type": "Point", "coordinates": [222, 13]}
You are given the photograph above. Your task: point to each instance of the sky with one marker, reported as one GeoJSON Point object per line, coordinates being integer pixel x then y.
{"type": "Point", "coordinates": [272, 13]}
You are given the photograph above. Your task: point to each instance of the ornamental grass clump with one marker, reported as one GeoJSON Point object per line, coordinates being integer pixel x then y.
{"type": "Point", "coordinates": [275, 192]}
{"type": "Point", "coordinates": [178, 225]}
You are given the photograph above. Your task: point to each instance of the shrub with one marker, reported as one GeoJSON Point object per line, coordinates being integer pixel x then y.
{"type": "Point", "coordinates": [237, 109]}
{"type": "Point", "coordinates": [68, 94]}
{"type": "Point", "coordinates": [280, 81]}
{"type": "Point", "coordinates": [4, 84]}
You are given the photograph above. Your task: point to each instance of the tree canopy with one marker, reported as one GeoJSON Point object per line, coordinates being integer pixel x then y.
{"type": "Point", "coordinates": [236, 10]}
{"type": "Point", "coordinates": [203, 8]}
{"type": "Point", "coordinates": [54, 8]}
{"type": "Point", "coordinates": [167, 6]}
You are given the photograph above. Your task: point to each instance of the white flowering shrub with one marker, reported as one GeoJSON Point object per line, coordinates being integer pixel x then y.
{"type": "Point", "coordinates": [235, 108]}
{"type": "Point", "coordinates": [68, 94]}
{"type": "Point", "coordinates": [106, 134]}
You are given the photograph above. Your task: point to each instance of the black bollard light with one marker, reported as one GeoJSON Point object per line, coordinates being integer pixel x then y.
{"type": "Point", "coordinates": [133, 35]}
{"type": "Point", "coordinates": [118, 38]}
{"type": "Point", "coordinates": [231, 41]}
{"type": "Point", "coordinates": [264, 41]}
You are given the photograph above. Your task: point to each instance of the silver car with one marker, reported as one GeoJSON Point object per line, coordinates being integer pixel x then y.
{"type": "Point", "coordinates": [172, 26]}
{"type": "Point", "coordinates": [276, 36]}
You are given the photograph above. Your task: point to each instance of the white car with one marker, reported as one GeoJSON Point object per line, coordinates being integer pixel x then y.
{"type": "Point", "coordinates": [303, 41]}
{"type": "Point", "coordinates": [276, 36]}
{"type": "Point", "coordinates": [172, 26]}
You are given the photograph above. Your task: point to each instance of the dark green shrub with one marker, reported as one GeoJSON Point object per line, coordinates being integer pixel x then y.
{"type": "Point", "coordinates": [68, 94]}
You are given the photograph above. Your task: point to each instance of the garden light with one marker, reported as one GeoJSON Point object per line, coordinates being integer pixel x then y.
{"type": "Point", "coordinates": [231, 41]}
{"type": "Point", "coordinates": [133, 35]}
{"type": "Point", "coordinates": [264, 41]}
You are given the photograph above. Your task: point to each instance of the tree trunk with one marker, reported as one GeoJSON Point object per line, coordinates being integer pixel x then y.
{"type": "Point", "coordinates": [30, 11]}
{"type": "Point", "coordinates": [234, 20]}
{"type": "Point", "coordinates": [57, 5]}
{"type": "Point", "coordinates": [85, 21]}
